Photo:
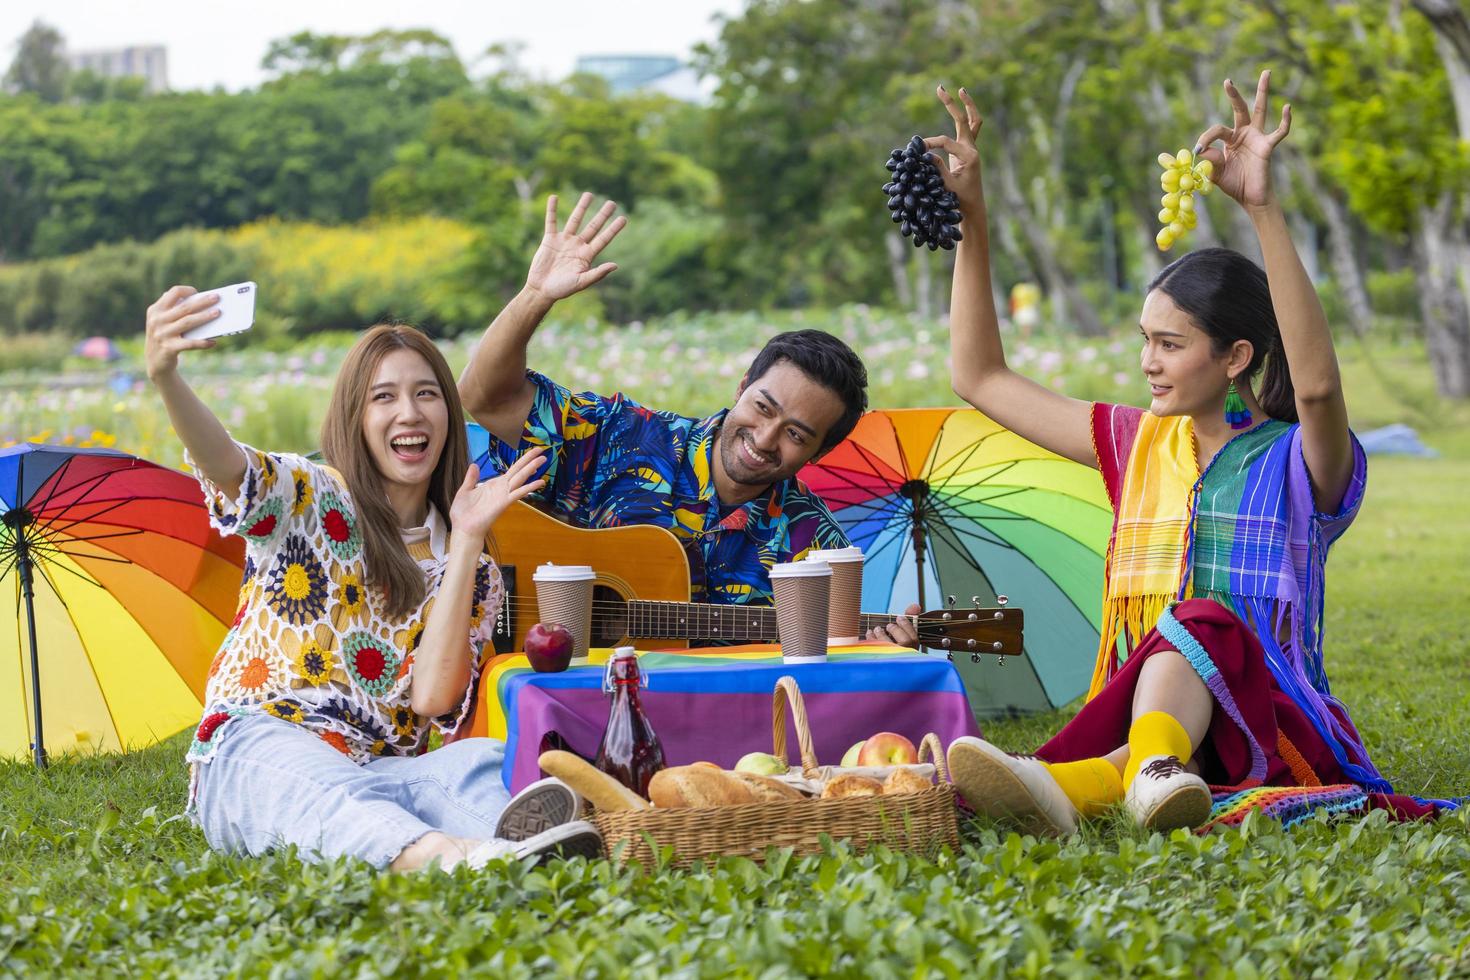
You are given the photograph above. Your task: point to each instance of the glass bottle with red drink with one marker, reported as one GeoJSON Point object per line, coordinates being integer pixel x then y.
{"type": "Point", "coordinates": [630, 751]}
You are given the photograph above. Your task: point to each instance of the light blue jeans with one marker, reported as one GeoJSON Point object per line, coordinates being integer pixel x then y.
{"type": "Point", "coordinates": [272, 783]}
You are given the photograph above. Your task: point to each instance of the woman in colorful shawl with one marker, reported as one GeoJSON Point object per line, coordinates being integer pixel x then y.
{"type": "Point", "coordinates": [1227, 493]}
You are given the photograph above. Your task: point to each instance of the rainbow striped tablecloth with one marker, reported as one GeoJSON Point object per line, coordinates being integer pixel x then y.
{"type": "Point", "coordinates": [714, 704]}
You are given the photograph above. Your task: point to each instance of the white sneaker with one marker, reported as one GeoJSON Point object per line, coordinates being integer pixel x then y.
{"type": "Point", "coordinates": [544, 804]}
{"type": "Point", "coordinates": [1164, 795]}
{"type": "Point", "coordinates": [577, 838]}
{"type": "Point", "coordinates": [1009, 787]}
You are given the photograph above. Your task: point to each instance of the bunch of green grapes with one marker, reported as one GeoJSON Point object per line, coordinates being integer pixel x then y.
{"type": "Point", "coordinates": [1183, 176]}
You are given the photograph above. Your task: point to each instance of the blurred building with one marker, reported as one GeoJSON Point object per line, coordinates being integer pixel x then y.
{"type": "Point", "coordinates": [644, 72]}
{"type": "Point", "coordinates": [148, 62]}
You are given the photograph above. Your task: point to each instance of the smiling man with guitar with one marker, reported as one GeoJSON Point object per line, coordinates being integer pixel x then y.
{"type": "Point", "coordinates": [724, 486]}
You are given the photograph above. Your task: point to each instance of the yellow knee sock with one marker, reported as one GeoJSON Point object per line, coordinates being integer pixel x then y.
{"type": "Point", "coordinates": [1091, 784]}
{"type": "Point", "coordinates": [1156, 733]}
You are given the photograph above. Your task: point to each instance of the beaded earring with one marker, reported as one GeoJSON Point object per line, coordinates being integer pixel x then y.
{"type": "Point", "coordinates": [1236, 413]}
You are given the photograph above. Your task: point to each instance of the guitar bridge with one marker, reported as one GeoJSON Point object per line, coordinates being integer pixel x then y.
{"type": "Point", "coordinates": [503, 639]}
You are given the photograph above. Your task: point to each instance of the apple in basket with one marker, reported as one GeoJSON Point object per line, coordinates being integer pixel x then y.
{"type": "Point", "coordinates": [887, 749]}
{"type": "Point", "coordinates": [549, 647]}
{"type": "Point", "coordinates": [762, 764]}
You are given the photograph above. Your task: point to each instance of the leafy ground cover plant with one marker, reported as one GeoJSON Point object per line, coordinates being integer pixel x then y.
{"type": "Point", "coordinates": [100, 875]}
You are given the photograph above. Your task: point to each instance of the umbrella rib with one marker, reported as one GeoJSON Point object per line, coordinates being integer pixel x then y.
{"type": "Point", "coordinates": [834, 471]}
{"type": "Point", "coordinates": [107, 558]}
{"type": "Point", "coordinates": [41, 566]}
{"type": "Point", "coordinates": [91, 483]}
{"type": "Point", "coordinates": [55, 486]}
{"type": "Point", "coordinates": [102, 537]}
{"type": "Point", "coordinates": [950, 515]}
{"type": "Point", "coordinates": [114, 505]}
{"type": "Point", "coordinates": [970, 450]}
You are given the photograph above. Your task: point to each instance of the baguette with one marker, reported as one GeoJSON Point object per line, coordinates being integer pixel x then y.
{"type": "Point", "coordinates": [601, 790]}
{"type": "Point", "coordinates": [698, 786]}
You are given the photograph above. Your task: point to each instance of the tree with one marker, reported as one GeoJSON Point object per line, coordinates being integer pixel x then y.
{"type": "Point", "coordinates": [40, 64]}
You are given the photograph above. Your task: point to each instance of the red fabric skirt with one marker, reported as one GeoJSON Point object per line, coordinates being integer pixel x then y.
{"type": "Point", "coordinates": [1295, 754]}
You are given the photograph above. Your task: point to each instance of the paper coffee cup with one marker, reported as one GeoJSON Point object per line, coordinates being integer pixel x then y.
{"type": "Point", "coordinates": [801, 590]}
{"type": "Point", "coordinates": [845, 603]}
{"type": "Point", "coordinates": [564, 595]}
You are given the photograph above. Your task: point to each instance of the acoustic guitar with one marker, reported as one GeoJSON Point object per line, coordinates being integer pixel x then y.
{"type": "Point", "coordinates": [642, 593]}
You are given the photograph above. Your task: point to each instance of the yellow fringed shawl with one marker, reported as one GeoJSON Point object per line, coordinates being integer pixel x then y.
{"type": "Point", "coordinates": [1148, 550]}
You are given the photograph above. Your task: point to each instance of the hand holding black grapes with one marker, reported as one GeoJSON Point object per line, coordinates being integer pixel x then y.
{"type": "Point", "coordinates": [924, 209]}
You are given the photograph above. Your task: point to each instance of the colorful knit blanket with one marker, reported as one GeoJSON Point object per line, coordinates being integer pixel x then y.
{"type": "Point", "coordinates": [1288, 804]}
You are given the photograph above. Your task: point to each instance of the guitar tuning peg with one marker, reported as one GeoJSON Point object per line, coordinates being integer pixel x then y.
{"type": "Point", "coordinates": [996, 646]}
{"type": "Point", "coordinates": [949, 601]}
{"type": "Point", "coordinates": [949, 657]}
{"type": "Point", "coordinates": [970, 644]}
{"type": "Point", "coordinates": [1001, 600]}
{"type": "Point", "coordinates": [1000, 661]}
{"type": "Point", "coordinates": [974, 658]}
{"type": "Point", "coordinates": [975, 601]}
{"type": "Point", "coordinates": [946, 643]}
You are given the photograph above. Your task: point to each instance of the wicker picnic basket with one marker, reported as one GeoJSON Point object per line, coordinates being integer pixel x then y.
{"type": "Point", "coordinates": [911, 821]}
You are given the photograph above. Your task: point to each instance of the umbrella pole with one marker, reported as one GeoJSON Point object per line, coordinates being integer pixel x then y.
{"type": "Point", "coordinates": [915, 491]}
{"type": "Point", "coordinates": [27, 589]}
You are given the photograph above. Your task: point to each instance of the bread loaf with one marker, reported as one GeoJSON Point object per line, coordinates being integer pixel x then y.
{"type": "Point", "coordinates": [905, 781]}
{"type": "Point", "coordinates": [601, 790]}
{"type": "Point", "coordinates": [698, 786]}
{"type": "Point", "coordinates": [850, 785]}
{"type": "Point", "coordinates": [766, 789]}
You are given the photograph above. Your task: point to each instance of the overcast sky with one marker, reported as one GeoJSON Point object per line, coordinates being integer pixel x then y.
{"type": "Point", "coordinates": [211, 43]}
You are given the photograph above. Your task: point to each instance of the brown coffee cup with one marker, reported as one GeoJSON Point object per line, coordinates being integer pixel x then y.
{"type": "Point", "coordinates": [845, 602]}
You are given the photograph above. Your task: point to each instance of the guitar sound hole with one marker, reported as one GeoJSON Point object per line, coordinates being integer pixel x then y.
{"type": "Point", "coordinates": [609, 616]}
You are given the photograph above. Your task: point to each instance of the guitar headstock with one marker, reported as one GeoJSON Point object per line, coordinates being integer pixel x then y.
{"type": "Point", "coordinates": [996, 631]}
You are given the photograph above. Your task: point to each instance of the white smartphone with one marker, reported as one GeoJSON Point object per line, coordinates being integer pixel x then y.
{"type": "Point", "coordinates": [236, 312]}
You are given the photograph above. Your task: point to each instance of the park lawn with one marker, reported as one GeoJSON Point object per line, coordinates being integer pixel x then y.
{"type": "Point", "coordinates": [100, 875]}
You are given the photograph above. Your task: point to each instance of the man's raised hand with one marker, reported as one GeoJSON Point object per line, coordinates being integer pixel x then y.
{"type": "Point", "coordinates": [562, 264]}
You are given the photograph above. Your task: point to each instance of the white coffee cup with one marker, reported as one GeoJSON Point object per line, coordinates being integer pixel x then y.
{"type": "Point", "coordinates": [564, 595]}
{"type": "Point", "coordinates": [801, 590]}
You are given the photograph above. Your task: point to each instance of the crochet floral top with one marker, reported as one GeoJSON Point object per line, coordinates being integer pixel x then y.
{"type": "Point", "coordinates": [311, 643]}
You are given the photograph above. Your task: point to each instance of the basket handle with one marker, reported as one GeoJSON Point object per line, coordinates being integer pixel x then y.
{"type": "Point", "coordinates": [788, 693]}
{"type": "Point", "coordinates": [934, 748]}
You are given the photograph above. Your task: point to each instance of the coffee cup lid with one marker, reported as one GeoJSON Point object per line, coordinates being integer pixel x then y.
{"type": "Point", "coordinates": [563, 573]}
{"type": "Point", "coordinates": [800, 569]}
{"type": "Point", "coordinates": [853, 553]}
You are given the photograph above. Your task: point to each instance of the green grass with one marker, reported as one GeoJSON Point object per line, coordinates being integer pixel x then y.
{"type": "Point", "coordinates": [100, 875]}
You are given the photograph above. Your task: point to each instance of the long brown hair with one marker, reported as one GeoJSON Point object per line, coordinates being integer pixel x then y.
{"type": "Point", "coordinates": [389, 566]}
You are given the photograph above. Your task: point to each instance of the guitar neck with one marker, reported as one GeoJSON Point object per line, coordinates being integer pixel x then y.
{"type": "Point", "coordinates": [706, 621]}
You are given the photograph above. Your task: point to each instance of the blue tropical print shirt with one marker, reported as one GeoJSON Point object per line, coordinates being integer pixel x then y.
{"type": "Point", "coordinates": [615, 463]}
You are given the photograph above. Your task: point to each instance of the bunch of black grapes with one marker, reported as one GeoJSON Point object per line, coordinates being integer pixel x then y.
{"type": "Point", "coordinates": [922, 207]}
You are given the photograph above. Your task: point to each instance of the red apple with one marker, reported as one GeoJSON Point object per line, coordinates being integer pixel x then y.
{"type": "Point", "coordinates": [549, 647]}
{"type": "Point", "coordinates": [887, 749]}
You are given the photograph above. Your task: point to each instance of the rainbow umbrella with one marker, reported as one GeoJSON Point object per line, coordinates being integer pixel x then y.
{"type": "Point", "coordinates": [945, 502]}
{"type": "Point", "coordinates": [114, 595]}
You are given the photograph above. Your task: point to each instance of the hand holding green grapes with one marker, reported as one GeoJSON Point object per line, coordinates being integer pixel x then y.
{"type": "Point", "coordinates": [1183, 176]}
{"type": "Point", "coordinates": [1243, 164]}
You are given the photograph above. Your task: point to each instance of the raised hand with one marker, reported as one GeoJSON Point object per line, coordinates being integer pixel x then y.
{"type": "Point", "coordinates": [476, 506]}
{"type": "Point", "coordinates": [171, 316]}
{"type": "Point", "coordinates": [1243, 164]}
{"type": "Point", "coordinates": [962, 172]}
{"type": "Point", "coordinates": [562, 264]}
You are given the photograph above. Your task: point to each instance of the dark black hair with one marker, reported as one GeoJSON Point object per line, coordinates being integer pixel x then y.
{"type": "Point", "coordinates": [827, 361]}
{"type": "Point", "coordinates": [1228, 297]}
